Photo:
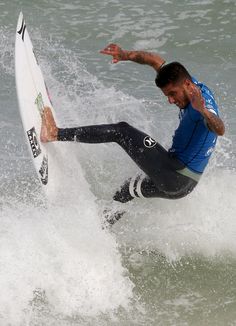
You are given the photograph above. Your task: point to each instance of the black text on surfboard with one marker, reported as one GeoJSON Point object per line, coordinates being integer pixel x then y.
{"type": "Point", "coordinates": [22, 29]}
{"type": "Point", "coordinates": [34, 144]}
{"type": "Point", "coordinates": [43, 171]}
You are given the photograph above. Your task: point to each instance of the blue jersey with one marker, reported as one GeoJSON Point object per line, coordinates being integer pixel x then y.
{"type": "Point", "coordinates": [193, 143]}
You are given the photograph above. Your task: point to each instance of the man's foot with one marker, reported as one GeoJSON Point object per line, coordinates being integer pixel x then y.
{"type": "Point", "coordinates": [49, 128]}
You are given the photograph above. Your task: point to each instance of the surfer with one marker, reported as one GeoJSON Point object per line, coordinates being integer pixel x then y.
{"type": "Point", "coordinates": [168, 174]}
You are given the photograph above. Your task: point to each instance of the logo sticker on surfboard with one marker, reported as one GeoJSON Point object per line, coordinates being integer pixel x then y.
{"type": "Point", "coordinates": [34, 144]}
{"type": "Point", "coordinates": [39, 103]}
{"type": "Point", "coordinates": [43, 171]}
{"type": "Point", "coordinates": [22, 30]}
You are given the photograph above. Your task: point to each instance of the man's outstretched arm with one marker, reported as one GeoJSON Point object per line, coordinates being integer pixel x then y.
{"type": "Point", "coordinates": [142, 57]}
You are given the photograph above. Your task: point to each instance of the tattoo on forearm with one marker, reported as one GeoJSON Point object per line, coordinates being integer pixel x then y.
{"type": "Point", "coordinates": [215, 124]}
{"type": "Point", "coordinates": [143, 57]}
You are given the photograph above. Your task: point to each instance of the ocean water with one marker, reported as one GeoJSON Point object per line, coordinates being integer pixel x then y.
{"type": "Point", "coordinates": [166, 262]}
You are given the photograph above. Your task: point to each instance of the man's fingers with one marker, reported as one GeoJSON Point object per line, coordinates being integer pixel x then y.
{"type": "Point", "coordinates": [114, 50]}
{"type": "Point", "coordinates": [196, 98]}
{"type": "Point", "coordinates": [110, 49]}
{"type": "Point", "coordinates": [194, 93]}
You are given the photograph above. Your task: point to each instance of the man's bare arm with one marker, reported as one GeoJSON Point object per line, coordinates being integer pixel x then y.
{"type": "Point", "coordinates": [148, 58]}
{"type": "Point", "coordinates": [214, 123]}
{"type": "Point", "coordinates": [141, 57]}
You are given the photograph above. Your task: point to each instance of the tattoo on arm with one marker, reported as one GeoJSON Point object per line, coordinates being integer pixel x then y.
{"type": "Point", "coordinates": [142, 57]}
{"type": "Point", "coordinates": [215, 124]}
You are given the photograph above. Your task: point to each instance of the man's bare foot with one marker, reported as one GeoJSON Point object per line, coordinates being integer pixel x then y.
{"type": "Point", "coordinates": [49, 129]}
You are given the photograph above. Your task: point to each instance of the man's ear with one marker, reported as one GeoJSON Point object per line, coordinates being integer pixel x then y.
{"type": "Point", "coordinates": [187, 84]}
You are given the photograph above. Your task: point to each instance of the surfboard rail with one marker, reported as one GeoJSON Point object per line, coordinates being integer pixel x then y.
{"type": "Point", "coordinates": [33, 96]}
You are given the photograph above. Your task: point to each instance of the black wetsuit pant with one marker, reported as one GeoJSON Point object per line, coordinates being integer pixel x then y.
{"type": "Point", "coordinates": [161, 179]}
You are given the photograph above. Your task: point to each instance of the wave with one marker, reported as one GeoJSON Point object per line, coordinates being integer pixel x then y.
{"type": "Point", "coordinates": [53, 250]}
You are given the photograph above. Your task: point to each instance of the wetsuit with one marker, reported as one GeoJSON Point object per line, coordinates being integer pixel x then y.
{"type": "Point", "coordinates": [168, 174]}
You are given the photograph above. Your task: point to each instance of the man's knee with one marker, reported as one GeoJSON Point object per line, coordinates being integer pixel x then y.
{"type": "Point", "coordinates": [123, 125]}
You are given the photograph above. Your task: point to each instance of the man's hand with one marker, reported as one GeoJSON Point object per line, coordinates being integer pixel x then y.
{"type": "Point", "coordinates": [116, 51]}
{"type": "Point", "coordinates": [196, 98]}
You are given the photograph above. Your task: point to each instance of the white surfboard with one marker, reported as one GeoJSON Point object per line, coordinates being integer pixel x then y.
{"type": "Point", "coordinates": [32, 98]}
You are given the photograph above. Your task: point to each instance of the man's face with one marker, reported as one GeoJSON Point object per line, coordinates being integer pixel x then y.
{"type": "Point", "coordinates": [178, 94]}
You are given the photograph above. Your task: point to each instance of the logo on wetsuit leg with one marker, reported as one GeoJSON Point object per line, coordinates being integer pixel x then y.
{"type": "Point", "coordinates": [149, 142]}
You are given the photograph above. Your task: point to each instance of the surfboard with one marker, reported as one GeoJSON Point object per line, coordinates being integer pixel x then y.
{"type": "Point", "coordinates": [33, 96]}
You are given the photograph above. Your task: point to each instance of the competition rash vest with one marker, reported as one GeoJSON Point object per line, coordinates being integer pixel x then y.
{"type": "Point", "coordinates": [193, 142]}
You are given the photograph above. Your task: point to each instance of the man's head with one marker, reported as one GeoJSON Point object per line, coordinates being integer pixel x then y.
{"type": "Point", "coordinates": [175, 82]}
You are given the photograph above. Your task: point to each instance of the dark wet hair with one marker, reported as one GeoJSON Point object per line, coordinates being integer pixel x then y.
{"type": "Point", "coordinates": [173, 72]}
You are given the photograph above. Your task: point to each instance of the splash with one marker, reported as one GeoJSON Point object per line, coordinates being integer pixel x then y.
{"type": "Point", "coordinates": [53, 250]}
{"type": "Point", "coordinates": [60, 251]}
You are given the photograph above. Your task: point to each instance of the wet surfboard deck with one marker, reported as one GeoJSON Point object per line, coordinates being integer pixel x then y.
{"type": "Point", "coordinates": [32, 97]}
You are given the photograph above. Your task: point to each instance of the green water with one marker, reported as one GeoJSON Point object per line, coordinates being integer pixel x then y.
{"type": "Point", "coordinates": [164, 263]}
